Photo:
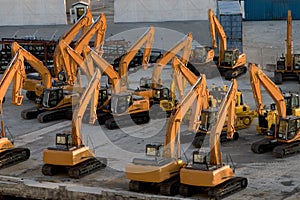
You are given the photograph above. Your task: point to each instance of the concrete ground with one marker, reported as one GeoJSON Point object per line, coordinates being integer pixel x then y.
{"type": "Point", "coordinates": [269, 178]}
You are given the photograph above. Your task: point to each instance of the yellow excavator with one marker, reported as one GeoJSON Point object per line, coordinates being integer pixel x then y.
{"type": "Point", "coordinates": [15, 72]}
{"type": "Point", "coordinates": [281, 124]}
{"type": "Point", "coordinates": [243, 116]}
{"type": "Point", "coordinates": [160, 169]}
{"type": "Point", "coordinates": [70, 152]}
{"type": "Point", "coordinates": [207, 172]}
{"type": "Point", "coordinates": [231, 63]}
{"type": "Point", "coordinates": [288, 65]}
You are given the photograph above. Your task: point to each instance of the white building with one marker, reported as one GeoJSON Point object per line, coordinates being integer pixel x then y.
{"type": "Point", "coordinates": [162, 10]}
{"type": "Point", "coordinates": [32, 12]}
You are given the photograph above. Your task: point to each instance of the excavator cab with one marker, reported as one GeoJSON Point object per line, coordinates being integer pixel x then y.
{"type": "Point", "coordinates": [63, 141]}
{"type": "Point", "coordinates": [103, 96]}
{"type": "Point", "coordinates": [230, 57]}
{"type": "Point", "coordinates": [154, 150]}
{"type": "Point", "coordinates": [161, 93]}
{"type": "Point", "coordinates": [121, 103]}
{"type": "Point", "coordinates": [288, 128]}
{"type": "Point", "coordinates": [51, 97]}
{"type": "Point", "coordinates": [296, 61]}
{"type": "Point", "coordinates": [200, 158]}
{"type": "Point", "coordinates": [292, 102]}
{"type": "Point", "coordinates": [145, 82]}
{"type": "Point", "coordinates": [208, 116]}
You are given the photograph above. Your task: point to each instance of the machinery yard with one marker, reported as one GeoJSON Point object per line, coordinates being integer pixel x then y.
{"type": "Point", "coordinates": [268, 177]}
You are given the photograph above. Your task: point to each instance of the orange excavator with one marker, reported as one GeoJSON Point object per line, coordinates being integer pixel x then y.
{"type": "Point", "coordinates": [160, 169]}
{"type": "Point", "coordinates": [288, 65]}
{"type": "Point", "coordinates": [231, 63]}
{"type": "Point", "coordinates": [283, 130]}
{"type": "Point", "coordinates": [70, 153]}
{"type": "Point", "coordinates": [15, 72]}
{"type": "Point", "coordinates": [207, 172]}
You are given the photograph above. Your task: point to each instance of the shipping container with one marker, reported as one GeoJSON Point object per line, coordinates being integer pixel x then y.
{"type": "Point", "coordinates": [230, 16]}
{"type": "Point", "coordinates": [271, 9]}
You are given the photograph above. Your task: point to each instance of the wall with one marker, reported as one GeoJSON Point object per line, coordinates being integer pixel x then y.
{"type": "Point", "coordinates": [271, 9]}
{"type": "Point", "coordinates": [161, 10]}
{"type": "Point", "coordinates": [32, 12]}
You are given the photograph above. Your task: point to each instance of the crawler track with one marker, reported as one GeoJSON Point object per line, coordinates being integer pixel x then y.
{"type": "Point", "coordinates": [82, 169]}
{"type": "Point", "coordinates": [127, 120]}
{"type": "Point", "coordinates": [13, 156]}
{"type": "Point", "coordinates": [283, 150]}
{"type": "Point", "coordinates": [227, 188]}
{"type": "Point", "coordinates": [169, 187]}
{"type": "Point", "coordinates": [263, 146]}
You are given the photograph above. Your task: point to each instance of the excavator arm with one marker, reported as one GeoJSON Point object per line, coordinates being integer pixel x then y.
{"type": "Point", "coordinates": [214, 26]}
{"type": "Point", "coordinates": [227, 107]}
{"type": "Point", "coordinates": [81, 25]}
{"type": "Point", "coordinates": [289, 43]}
{"type": "Point", "coordinates": [257, 78]}
{"type": "Point", "coordinates": [146, 39]}
{"type": "Point", "coordinates": [15, 72]}
{"type": "Point", "coordinates": [185, 45]}
{"type": "Point", "coordinates": [108, 69]}
{"type": "Point", "coordinates": [180, 69]}
{"type": "Point", "coordinates": [35, 63]}
{"type": "Point", "coordinates": [178, 114]}
{"type": "Point", "coordinates": [92, 93]}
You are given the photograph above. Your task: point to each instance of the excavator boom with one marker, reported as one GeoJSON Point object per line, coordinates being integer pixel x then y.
{"type": "Point", "coordinates": [185, 44]}
{"type": "Point", "coordinates": [92, 93]}
{"type": "Point", "coordinates": [146, 39]}
{"type": "Point", "coordinates": [196, 93]}
{"type": "Point", "coordinates": [214, 134]}
{"type": "Point", "coordinates": [35, 63]}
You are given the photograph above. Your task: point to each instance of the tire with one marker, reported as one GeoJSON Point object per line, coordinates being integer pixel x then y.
{"type": "Point", "coordinates": [278, 78]}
